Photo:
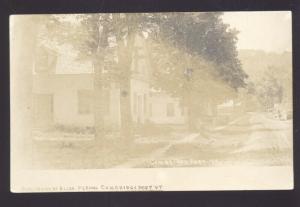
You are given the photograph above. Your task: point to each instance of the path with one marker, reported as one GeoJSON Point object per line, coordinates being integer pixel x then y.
{"type": "Point", "coordinates": [159, 152]}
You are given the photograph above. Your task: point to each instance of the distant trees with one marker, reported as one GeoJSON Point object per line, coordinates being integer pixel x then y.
{"type": "Point", "coordinates": [270, 77]}
{"type": "Point", "coordinates": [270, 89]}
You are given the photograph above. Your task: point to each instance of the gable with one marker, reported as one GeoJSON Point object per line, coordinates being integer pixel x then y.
{"type": "Point", "coordinates": [68, 64]}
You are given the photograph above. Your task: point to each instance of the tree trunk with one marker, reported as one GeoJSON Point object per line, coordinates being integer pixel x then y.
{"type": "Point", "coordinates": [125, 105]}
{"type": "Point", "coordinates": [190, 111]}
{"type": "Point", "coordinates": [125, 60]}
{"type": "Point", "coordinates": [98, 99]}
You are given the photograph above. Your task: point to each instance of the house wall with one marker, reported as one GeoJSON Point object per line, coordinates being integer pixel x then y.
{"type": "Point", "coordinates": [64, 88]}
{"type": "Point", "coordinates": [112, 120]}
{"type": "Point", "coordinates": [65, 99]}
{"type": "Point", "coordinates": [159, 102]}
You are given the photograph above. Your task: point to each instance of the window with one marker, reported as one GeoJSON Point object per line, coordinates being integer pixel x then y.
{"type": "Point", "coordinates": [140, 102]}
{"type": "Point", "coordinates": [106, 99]}
{"type": "Point", "coordinates": [182, 110]}
{"type": "Point", "coordinates": [139, 61]}
{"type": "Point", "coordinates": [135, 103]}
{"type": "Point", "coordinates": [145, 104]}
{"type": "Point", "coordinates": [42, 109]}
{"type": "Point", "coordinates": [170, 110]}
{"type": "Point", "coordinates": [150, 110]}
{"type": "Point", "coordinates": [45, 61]}
{"type": "Point", "coordinates": [85, 101]}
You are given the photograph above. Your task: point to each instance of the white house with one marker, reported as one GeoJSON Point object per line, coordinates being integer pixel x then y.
{"type": "Point", "coordinates": [165, 109]}
{"type": "Point", "coordinates": [63, 90]}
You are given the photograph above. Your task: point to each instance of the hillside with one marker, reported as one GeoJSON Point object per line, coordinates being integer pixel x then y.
{"type": "Point", "coordinates": [256, 62]}
{"type": "Point", "coordinates": [270, 74]}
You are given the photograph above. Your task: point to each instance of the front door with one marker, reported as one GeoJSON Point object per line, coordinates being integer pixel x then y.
{"type": "Point", "coordinates": [43, 110]}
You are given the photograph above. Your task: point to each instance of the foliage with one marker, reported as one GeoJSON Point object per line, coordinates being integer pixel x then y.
{"type": "Point", "coordinates": [205, 35]}
{"type": "Point", "coordinates": [270, 90]}
{"type": "Point", "coordinates": [169, 73]}
{"type": "Point", "coordinates": [198, 34]}
{"type": "Point", "coordinates": [270, 76]}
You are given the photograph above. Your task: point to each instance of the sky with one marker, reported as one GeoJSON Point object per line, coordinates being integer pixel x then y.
{"type": "Point", "coordinates": [270, 31]}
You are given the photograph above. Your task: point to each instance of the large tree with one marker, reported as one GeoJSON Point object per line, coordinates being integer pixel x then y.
{"type": "Point", "coordinates": [204, 34]}
{"type": "Point", "coordinates": [108, 41]}
{"type": "Point", "coordinates": [195, 58]}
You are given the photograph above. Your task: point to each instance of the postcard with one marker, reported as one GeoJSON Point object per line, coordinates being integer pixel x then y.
{"type": "Point", "coordinates": [174, 101]}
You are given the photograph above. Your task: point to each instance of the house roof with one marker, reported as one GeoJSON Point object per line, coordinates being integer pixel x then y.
{"type": "Point", "coordinates": [67, 61]}
{"type": "Point", "coordinates": [68, 64]}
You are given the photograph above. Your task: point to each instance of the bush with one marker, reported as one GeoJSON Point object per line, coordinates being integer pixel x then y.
{"type": "Point", "coordinates": [74, 129]}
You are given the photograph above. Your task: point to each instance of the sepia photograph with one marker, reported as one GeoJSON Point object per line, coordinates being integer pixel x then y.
{"type": "Point", "coordinates": [151, 101]}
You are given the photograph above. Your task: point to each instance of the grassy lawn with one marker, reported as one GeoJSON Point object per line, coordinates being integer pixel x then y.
{"type": "Point", "coordinates": [86, 154]}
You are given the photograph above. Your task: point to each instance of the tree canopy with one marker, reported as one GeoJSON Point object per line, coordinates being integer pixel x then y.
{"type": "Point", "coordinates": [205, 35]}
{"type": "Point", "coordinates": [198, 34]}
